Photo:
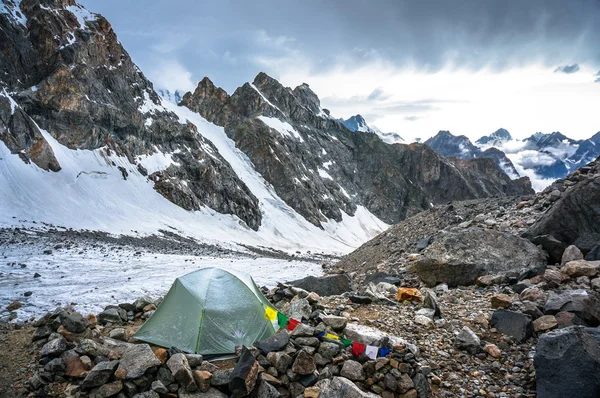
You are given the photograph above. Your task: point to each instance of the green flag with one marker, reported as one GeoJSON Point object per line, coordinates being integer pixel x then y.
{"type": "Point", "coordinates": [346, 343]}
{"type": "Point", "coordinates": [282, 320]}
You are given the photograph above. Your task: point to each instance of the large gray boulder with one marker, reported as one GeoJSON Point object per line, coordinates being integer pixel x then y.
{"type": "Point", "coordinates": [330, 285]}
{"type": "Point", "coordinates": [340, 387]}
{"type": "Point", "coordinates": [575, 218]}
{"type": "Point", "coordinates": [567, 364]}
{"type": "Point", "coordinates": [458, 258]}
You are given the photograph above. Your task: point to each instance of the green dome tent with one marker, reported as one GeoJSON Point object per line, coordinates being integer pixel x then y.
{"type": "Point", "coordinates": [209, 311]}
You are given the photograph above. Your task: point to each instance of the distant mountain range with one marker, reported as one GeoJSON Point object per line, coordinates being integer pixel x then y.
{"type": "Point", "coordinates": [540, 156]}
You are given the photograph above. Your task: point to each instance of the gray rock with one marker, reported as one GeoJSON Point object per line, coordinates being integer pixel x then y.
{"type": "Point", "coordinates": [211, 393]}
{"type": "Point", "coordinates": [107, 390]}
{"type": "Point", "coordinates": [280, 361]}
{"type": "Point", "coordinates": [135, 361]}
{"type": "Point", "coordinates": [148, 394]}
{"type": "Point", "coordinates": [511, 323]}
{"type": "Point", "coordinates": [276, 342]}
{"type": "Point", "coordinates": [56, 366]}
{"type": "Point", "coordinates": [100, 374]}
{"type": "Point", "coordinates": [304, 363]}
{"type": "Point", "coordinates": [468, 341]}
{"type": "Point", "coordinates": [340, 387]}
{"type": "Point", "coordinates": [352, 370]}
{"type": "Point", "coordinates": [221, 377]}
{"type": "Point", "coordinates": [302, 330]}
{"type": "Point", "coordinates": [194, 360]}
{"type": "Point", "coordinates": [572, 220]}
{"type": "Point", "coordinates": [330, 285]}
{"type": "Point", "coordinates": [244, 374]}
{"type": "Point", "coordinates": [73, 321]}
{"type": "Point", "coordinates": [571, 253]}
{"type": "Point", "coordinates": [430, 301]}
{"type": "Point", "coordinates": [567, 364]}
{"type": "Point", "coordinates": [583, 303]}
{"type": "Point", "coordinates": [422, 385]}
{"type": "Point", "coordinates": [159, 387]}
{"type": "Point", "coordinates": [300, 309]}
{"type": "Point", "coordinates": [179, 367]}
{"type": "Point", "coordinates": [91, 348]}
{"type": "Point", "coordinates": [266, 390]}
{"type": "Point", "coordinates": [328, 350]}
{"type": "Point", "coordinates": [54, 347]}
{"type": "Point", "coordinates": [42, 332]}
{"type": "Point", "coordinates": [110, 315]}
{"type": "Point", "coordinates": [459, 258]}
{"type": "Point", "coordinates": [118, 334]}
{"type": "Point", "coordinates": [335, 322]}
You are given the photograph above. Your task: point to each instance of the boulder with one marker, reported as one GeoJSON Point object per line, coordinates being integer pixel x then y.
{"type": "Point", "coordinates": [100, 374]}
{"type": "Point", "coordinates": [300, 309]}
{"type": "Point", "coordinates": [552, 246]}
{"type": "Point", "coordinates": [511, 323]}
{"type": "Point", "coordinates": [107, 390]}
{"type": "Point", "coordinates": [579, 268]}
{"type": "Point", "coordinates": [544, 323]}
{"type": "Point", "coordinates": [594, 254]}
{"type": "Point", "coordinates": [73, 321]}
{"type": "Point", "coordinates": [430, 301]}
{"type": "Point", "coordinates": [501, 301]}
{"type": "Point", "coordinates": [583, 303]}
{"type": "Point", "coordinates": [330, 285]}
{"type": "Point", "coordinates": [276, 342]}
{"type": "Point", "coordinates": [110, 315]}
{"type": "Point", "coordinates": [335, 322]}
{"type": "Point", "coordinates": [244, 375]}
{"type": "Point", "coordinates": [468, 341]}
{"type": "Point", "coordinates": [340, 387]}
{"type": "Point", "coordinates": [211, 393]}
{"type": "Point", "coordinates": [459, 258]}
{"type": "Point", "coordinates": [54, 347]}
{"type": "Point", "coordinates": [304, 363]}
{"type": "Point", "coordinates": [180, 368]}
{"type": "Point", "coordinates": [567, 364]}
{"type": "Point", "coordinates": [574, 219]}
{"type": "Point", "coordinates": [135, 361]}
{"type": "Point", "coordinates": [571, 253]}
{"type": "Point", "coordinates": [352, 370]}
{"type": "Point", "coordinates": [280, 361]}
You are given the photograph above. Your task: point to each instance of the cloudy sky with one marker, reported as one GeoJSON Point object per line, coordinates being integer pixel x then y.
{"type": "Point", "coordinates": [412, 67]}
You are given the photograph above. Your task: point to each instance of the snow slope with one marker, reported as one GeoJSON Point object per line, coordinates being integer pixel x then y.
{"type": "Point", "coordinates": [90, 193]}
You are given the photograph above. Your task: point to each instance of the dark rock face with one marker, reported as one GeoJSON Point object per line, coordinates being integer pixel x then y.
{"type": "Point", "coordinates": [458, 258]}
{"type": "Point", "coordinates": [330, 285]}
{"type": "Point", "coordinates": [583, 303]}
{"type": "Point", "coordinates": [65, 72]}
{"type": "Point", "coordinates": [567, 363]}
{"type": "Point", "coordinates": [321, 169]}
{"type": "Point", "coordinates": [575, 217]}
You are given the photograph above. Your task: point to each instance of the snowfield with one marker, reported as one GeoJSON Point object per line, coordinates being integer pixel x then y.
{"type": "Point", "coordinates": [104, 275]}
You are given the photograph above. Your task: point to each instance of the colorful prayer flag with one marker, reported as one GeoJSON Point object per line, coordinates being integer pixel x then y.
{"type": "Point", "coordinates": [331, 336]}
{"type": "Point", "coordinates": [357, 349]}
{"type": "Point", "coordinates": [270, 314]}
{"type": "Point", "coordinates": [346, 343]}
{"type": "Point", "coordinates": [384, 351]}
{"type": "Point", "coordinates": [292, 324]}
{"type": "Point", "coordinates": [282, 320]}
{"type": "Point", "coordinates": [322, 334]}
{"type": "Point", "coordinates": [371, 351]}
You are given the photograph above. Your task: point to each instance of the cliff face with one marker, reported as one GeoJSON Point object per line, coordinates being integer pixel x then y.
{"type": "Point", "coordinates": [63, 70]}
{"type": "Point", "coordinates": [320, 168]}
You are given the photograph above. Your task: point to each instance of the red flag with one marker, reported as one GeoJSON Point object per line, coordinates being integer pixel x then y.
{"type": "Point", "coordinates": [292, 324]}
{"type": "Point", "coordinates": [357, 348]}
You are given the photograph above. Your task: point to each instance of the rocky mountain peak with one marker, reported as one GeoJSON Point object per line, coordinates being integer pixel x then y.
{"type": "Point", "coordinates": [308, 98]}
{"type": "Point", "coordinates": [496, 138]}
{"type": "Point", "coordinates": [207, 99]}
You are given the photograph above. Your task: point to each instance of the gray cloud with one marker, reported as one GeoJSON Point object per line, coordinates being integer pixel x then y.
{"type": "Point", "coordinates": [413, 118]}
{"type": "Point", "coordinates": [230, 41]}
{"type": "Point", "coordinates": [597, 78]}
{"type": "Point", "coordinates": [568, 69]}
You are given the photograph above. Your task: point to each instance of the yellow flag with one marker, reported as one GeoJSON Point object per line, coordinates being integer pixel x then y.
{"type": "Point", "coordinates": [331, 336]}
{"type": "Point", "coordinates": [270, 314]}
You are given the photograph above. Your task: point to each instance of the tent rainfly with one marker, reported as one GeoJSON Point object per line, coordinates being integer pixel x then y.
{"type": "Point", "coordinates": [209, 311]}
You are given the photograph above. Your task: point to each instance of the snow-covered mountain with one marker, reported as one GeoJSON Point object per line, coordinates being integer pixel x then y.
{"type": "Point", "coordinates": [542, 157]}
{"type": "Point", "coordinates": [86, 142]}
{"type": "Point", "coordinates": [358, 123]}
